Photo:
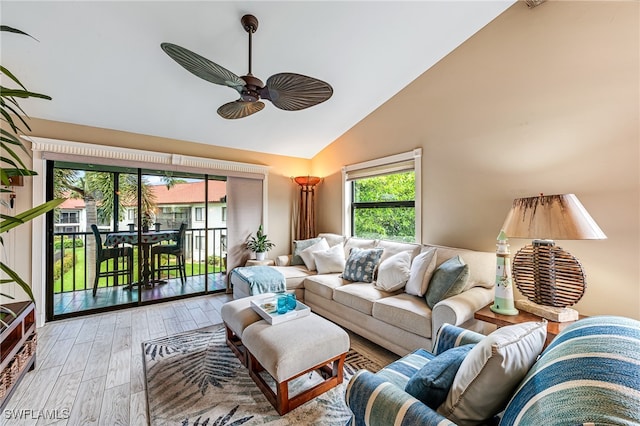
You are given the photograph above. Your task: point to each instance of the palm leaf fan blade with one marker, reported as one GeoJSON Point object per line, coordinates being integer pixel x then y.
{"type": "Point", "coordinates": [293, 92]}
{"type": "Point", "coordinates": [202, 67]}
{"type": "Point", "coordinates": [239, 109]}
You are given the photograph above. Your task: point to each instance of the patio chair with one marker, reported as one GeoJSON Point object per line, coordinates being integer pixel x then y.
{"type": "Point", "coordinates": [105, 254]}
{"type": "Point", "coordinates": [176, 250]}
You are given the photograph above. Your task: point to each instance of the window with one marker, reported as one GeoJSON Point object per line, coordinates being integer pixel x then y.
{"type": "Point", "coordinates": [382, 198]}
{"type": "Point", "coordinates": [69, 217]}
{"type": "Point", "coordinates": [199, 216]}
{"type": "Point", "coordinates": [224, 214]}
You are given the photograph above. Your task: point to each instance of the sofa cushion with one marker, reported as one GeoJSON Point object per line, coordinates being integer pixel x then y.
{"type": "Point", "coordinates": [361, 243]}
{"type": "Point", "coordinates": [361, 264]}
{"type": "Point", "coordinates": [482, 265]}
{"type": "Point", "coordinates": [393, 272]}
{"type": "Point", "coordinates": [332, 239]}
{"type": "Point", "coordinates": [331, 260]}
{"type": "Point", "coordinates": [359, 296]}
{"type": "Point", "coordinates": [307, 254]}
{"type": "Point", "coordinates": [323, 285]}
{"type": "Point", "coordinates": [405, 311]}
{"type": "Point", "coordinates": [422, 269]}
{"type": "Point", "coordinates": [449, 279]}
{"type": "Point", "coordinates": [491, 371]}
{"type": "Point", "coordinates": [432, 382]}
{"type": "Point", "coordinates": [394, 247]}
{"type": "Point", "coordinates": [294, 275]}
{"type": "Point", "coordinates": [298, 246]}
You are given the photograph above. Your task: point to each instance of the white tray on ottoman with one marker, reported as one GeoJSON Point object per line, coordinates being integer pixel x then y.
{"type": "Point", "coordinates": [273, 318]}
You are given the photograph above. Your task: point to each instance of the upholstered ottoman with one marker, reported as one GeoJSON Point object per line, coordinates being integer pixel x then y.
{"type": "Point", "coordinates": [293, 348]}
{"type": "Point", "coordinates": [237, 315]}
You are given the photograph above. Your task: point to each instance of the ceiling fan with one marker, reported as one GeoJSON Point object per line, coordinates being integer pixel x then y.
{"type": "Point", "coordinates": [287, 91]}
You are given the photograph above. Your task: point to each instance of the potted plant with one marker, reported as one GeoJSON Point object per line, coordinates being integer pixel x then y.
{"type": "Point", "coordinates": [259, 244]}
{"type": "Point", "coordinates": [12, 164]}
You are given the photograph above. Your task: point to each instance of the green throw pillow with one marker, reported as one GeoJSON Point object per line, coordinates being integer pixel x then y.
{"type": "Point", "coordinates": [361, 264]}
{"type": "Point", "coordinates": [449, 279]}
{"type": "Point", "coordinates": [432, 382]}
{"type": "Point", "coordinates": [300, 245]}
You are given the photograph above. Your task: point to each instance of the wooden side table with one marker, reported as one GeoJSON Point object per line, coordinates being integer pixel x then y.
{"type": "Point", "coordinates": [266, 262]}
{"type": "Point", "coordinates": [553, 328]}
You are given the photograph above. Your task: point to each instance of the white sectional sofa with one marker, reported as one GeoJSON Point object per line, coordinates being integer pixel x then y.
{"type": "Point", "coordinates": [396, 320]}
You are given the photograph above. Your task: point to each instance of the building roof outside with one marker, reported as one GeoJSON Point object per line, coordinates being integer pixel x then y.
{"type": "Point", "coordinates": [181, 193]}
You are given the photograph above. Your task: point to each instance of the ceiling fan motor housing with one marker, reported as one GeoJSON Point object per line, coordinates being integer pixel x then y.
{"type": "Point", "coordinates": [250, 91]}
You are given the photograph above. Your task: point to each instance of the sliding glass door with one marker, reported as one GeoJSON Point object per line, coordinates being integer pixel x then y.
{"type": "Point", "coordinates": [126, 236]}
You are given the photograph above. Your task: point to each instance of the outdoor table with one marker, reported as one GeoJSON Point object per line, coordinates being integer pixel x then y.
{"type": "Point", "coordinates": [147, 239]}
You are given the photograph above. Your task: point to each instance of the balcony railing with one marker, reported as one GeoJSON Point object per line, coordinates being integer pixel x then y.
{"type": "Point", "coordinates": [205, 253]}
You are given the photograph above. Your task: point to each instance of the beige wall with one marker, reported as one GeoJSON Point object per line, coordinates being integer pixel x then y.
{"type": "Point", "coordinates": [540, 101]}
{"type": "Point", "coordinates": [281, 193]}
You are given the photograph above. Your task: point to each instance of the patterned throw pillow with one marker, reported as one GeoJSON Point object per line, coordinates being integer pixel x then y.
{"type": "Point", "coordinates": [300, 245]}
{"type": "Point", "coordinates": [361, 264]}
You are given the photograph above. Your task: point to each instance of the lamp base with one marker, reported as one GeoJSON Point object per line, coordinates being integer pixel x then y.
{"type": "Point", "coordinates": [503, 307]}
{"type": "Point", "coordinates": [551, 313]}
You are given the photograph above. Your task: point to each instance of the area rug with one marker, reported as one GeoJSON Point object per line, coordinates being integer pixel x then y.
{"type": "Point", "coordinates": [193, 379]}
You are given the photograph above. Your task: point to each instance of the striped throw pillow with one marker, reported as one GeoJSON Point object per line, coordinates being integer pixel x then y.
{"type": "Point", "coordinates": [589, 374]}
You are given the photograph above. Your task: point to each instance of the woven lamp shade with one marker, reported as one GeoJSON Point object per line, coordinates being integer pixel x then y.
{"type": "Point", "coordinates": [544, 273]}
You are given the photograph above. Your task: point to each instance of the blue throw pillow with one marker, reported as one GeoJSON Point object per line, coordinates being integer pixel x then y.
{"type": "Point", "coordinates": [432, 382]}
{"type": "Point", "coordinates": [361, 264]}
{"type": "Point", "coordinates": [449, 279]}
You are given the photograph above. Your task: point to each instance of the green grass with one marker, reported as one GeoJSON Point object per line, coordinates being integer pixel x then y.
{"type": "Point", "coordinates": [66, 283]}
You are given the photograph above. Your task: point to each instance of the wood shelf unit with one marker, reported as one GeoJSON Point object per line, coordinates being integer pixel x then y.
{"type": "Point", "coordinates": [17, 346]}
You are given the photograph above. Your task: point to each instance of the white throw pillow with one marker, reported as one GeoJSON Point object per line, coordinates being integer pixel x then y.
{"type": "Point", "coordinates": [422, 268]}
{"type": "Point", "coordinates": [330, 261]}
{"type": "Point", "coordinates": [491, 371]}
{"type": "Point", "coordinates": [394, 272]}
{"type": "Point", "coordinates": [332, 239]}
{"type": "Point", "coordinates": [307, 254]}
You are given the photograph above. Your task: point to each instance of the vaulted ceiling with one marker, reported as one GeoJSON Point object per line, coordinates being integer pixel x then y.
{"type": "Point", "coordinates": [102, 64]}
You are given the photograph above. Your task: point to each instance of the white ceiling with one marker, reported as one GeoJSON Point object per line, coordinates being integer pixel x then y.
{"type": "Point", "coordinates": [102, 64]}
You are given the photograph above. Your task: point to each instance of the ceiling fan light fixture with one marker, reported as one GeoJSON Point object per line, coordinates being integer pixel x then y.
{"type": "Point", "coordinates": [286, 91]}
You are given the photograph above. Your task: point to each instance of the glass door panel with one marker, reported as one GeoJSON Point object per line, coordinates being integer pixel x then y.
{"type": "Point", "coordinates": [88, 271]}
{"type": "Point", "coordinates": [167, 228]}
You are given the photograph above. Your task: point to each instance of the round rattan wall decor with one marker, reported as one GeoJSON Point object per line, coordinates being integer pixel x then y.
{"type": "Point", "coordinates": [548, 275]}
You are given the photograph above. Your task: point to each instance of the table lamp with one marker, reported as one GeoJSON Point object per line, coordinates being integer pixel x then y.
{"type": "Point", "coordinates": [551, 278]}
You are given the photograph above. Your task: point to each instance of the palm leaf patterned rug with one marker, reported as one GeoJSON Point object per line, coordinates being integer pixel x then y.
{"type": "Point", "coordinates": [193, 379]}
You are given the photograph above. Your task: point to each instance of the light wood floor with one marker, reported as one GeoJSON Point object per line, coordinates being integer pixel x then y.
{"type": "Point", "coordinates": [82, 300]}
{"type": "Point", "coordinates": [89, 370]}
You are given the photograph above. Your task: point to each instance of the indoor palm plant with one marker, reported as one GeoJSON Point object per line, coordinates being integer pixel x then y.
{"type": "Point", "coordinates": [259, 244]}
{"type": "Point", "coordinates": [14, 118]}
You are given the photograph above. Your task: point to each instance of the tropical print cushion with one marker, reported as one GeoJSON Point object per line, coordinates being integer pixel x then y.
{"type": "Point", "coordinates": [361, 264]}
